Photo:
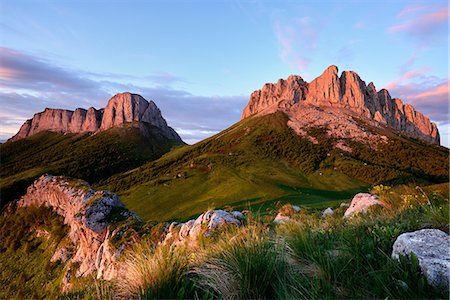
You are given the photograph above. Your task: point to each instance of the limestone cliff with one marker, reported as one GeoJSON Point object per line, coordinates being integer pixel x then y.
{"type": "Point", "coordinates": [121, 109]}
{"type": "Point", "coordinates": [92, 218]}
{"type": "Point", "coordinates": [348, 93]}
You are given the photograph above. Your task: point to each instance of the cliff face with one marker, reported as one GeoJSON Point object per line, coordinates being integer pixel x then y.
{"type": "Point", "coordinates": [88, 213]}
{"type": "Point", "coordinates": [347, 92]}
{"type": "Point", "coordinates": [121, 109]}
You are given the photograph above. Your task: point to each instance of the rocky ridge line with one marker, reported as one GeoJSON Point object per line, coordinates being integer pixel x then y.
{"type": "Point", "coordinates": [121, 109]}
{"type": "Point", "coordinates": [348, 93]}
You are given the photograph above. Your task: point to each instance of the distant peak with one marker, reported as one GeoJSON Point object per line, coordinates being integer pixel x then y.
{"type": "Point", "coordinates": [121, 109]}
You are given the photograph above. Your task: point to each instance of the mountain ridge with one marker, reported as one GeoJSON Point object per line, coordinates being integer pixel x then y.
{"type": "Point", "coordinates": [348, 92]}
{"type": "Point", "coordinates": [121, 108]}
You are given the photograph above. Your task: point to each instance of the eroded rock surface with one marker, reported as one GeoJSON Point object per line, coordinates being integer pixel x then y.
{"type": "Point", "coordinates": [89, 214]}
{"type": "Point", "coordinates": [348, 94]}
{"type": "Point", "coordinates": [431, 247]}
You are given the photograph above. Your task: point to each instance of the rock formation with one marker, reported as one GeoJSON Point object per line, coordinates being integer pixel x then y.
{"type": "Point", "coordinates": [347, 93]}
{"type": "Point", "coordinates": [121, 109]}
{"type": "Point", "coordinates": [430, 246]}
{"type": "Point", "coordinates": [205, 224]}
{"type": "Point", "coordinates": [89, 215]}
{"type": "Point", "coordinates": [361, 203]}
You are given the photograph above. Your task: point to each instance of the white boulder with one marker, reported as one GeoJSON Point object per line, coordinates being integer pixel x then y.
{"type": "Point", "coordinates": [431, 247]}
{"type": "Point", "coordinates": [360, 203]}
{"type": "Point", "coordinates": [327, 212]}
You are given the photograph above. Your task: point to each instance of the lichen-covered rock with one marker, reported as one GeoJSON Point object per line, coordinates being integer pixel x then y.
{"type": "Point", "coordinates": [88, 213]}
{"type": "Point", "coordinates": [360, 203]}
{"type": "Point", "coordinates": [431, 247]}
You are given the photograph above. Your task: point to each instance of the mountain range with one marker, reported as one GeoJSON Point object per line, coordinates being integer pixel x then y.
{"type": "Point", "coordinates": [300, 147]}
{"type": "Point", "coordinates": [333, 136]}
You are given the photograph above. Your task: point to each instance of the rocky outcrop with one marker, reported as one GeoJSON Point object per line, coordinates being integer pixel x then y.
{"type": "Point", "coordinates": [205, 225]}
{"type": "Point", "coordinates": [327, 212]}
{"type": "Point", "coordinates": [124, 108]}
{"type": "Point", "coordinates": [90, 215]}
{"type": "Point", "coordinates": [431, 247]}
{"type": "Point", "coordinates": [361, 203]}
{"type": "Point", "coordinates": [347, 92]}
{"type": "Point", "coordinates": [286, 213]}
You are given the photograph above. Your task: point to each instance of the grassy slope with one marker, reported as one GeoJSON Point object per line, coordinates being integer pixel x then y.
{"type": "Point", "coordinates": [92, 158]}
{"type": "Point", "coordinates": [26, 271]}
{"type": "Point", "coordinates": [261, 161]}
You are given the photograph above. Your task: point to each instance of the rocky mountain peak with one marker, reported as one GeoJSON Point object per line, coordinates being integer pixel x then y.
{"type": "Point", "coordinates": [347, 92]}
{"type": "Point", "coordinates": [121, 109]}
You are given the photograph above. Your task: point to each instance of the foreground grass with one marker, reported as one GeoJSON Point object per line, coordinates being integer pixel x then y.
{"type": "Point", "coordinates": [310, 258]}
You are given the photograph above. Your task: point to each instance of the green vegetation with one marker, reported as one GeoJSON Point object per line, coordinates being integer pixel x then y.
{"type": "Point", "coordinates": [309, 258]}
{"type": "Point", "coordinates": [90, 157]}
{"type": "Point", "coordinates": [29, 237]}
{"type": "Point", "coordinates": [260, 161]}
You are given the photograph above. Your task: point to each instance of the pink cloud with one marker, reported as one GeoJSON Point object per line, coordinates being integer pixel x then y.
{"type": "Point", "coordinates": [438, 91]}
{"type": "Point", "coordinates": [407, 75]}
{"type": "Point", "coordinates": [410, 9]}
{"type": "Point", "coordinates": [421, 25]}
{"type": "Point", "coordinates": [294, 39]}
{"type": "Point", "coordinates": [429, 96]}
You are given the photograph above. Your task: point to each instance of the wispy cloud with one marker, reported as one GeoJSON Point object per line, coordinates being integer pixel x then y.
{"type": "Point", "coordinates": [407, 75]}
{"type": "Point", "coordinates": [422, 24]}
{"type": "Point", "coordinates": [428, 94]}
{"type": "Point", "coordinates": [28, 84]}
{"type": "Point", "coordinates": [296, 38]}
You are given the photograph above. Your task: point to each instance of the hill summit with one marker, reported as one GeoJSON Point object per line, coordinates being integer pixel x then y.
{"type": "Point", "coordinates": [348, 94]}
{"type": "Point", "coordinates": [121, 108]}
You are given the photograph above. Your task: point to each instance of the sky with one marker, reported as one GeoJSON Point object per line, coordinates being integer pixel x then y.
{"type": "Point", "coordinates": [199, 61]}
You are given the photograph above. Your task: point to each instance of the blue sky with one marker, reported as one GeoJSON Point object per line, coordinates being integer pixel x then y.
{"type": "Point", "coordinates": [200, 60]}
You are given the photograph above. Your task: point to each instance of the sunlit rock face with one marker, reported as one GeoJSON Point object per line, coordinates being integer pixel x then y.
{"type": "Point", "coordinates": [121, 109]}
{"type": "Point", "coordinates": [347, 93]}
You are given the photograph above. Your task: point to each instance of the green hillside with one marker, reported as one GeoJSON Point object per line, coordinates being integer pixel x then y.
{"type": "Point", "coordinates": [260, 161]}
{"type": "Point", "coordinates": [90, 157]}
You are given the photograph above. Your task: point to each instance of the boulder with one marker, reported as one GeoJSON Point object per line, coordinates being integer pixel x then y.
{"type": "Point", "coordinates": [205, 225]}
{"type": "Point", "coordinates": [327, 212]}
{"type": "Point", "coordinates": [360, 203]}
{"type": "Point", "coordinates": [431, 247]}
{"type": "Point", "coordinates": [280, 219]}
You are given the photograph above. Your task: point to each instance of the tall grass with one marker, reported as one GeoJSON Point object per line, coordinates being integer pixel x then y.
{"type": "Point", "coordinates": [154, 274]}
{"type": "Point", "coordinates": [248, 265]}
{"type": "Point", "coordinates": [309, 258]}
